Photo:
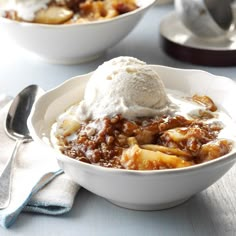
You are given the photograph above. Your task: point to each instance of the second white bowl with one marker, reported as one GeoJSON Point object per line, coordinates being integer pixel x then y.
{"type": "Point", "coordinates": [75, 43]}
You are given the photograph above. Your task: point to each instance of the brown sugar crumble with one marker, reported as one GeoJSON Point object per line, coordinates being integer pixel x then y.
{"type": "Point", "coordinates": [174, 141]}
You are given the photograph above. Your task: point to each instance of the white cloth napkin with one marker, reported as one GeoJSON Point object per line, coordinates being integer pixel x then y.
{"type": "Point", "coordinates": [32, 163]}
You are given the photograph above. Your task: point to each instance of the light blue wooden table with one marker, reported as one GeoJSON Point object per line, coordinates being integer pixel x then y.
{"type": "Point", "coordinates": [212, 212]}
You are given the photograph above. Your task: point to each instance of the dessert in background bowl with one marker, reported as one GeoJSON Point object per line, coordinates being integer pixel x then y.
{"type": "Point", "coordinates": [66, 11]}
{"type": "Point", "coordinates": [142, 136]}
{"type": "Point", "coordinates": [55, 31]}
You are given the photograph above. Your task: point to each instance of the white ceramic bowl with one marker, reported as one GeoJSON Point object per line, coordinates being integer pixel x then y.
{"type": "Point", "coordinates": [140, 190]}
{"type": "Point", "coordinates": [204, 18]}
{"type": "Point", "coordinates": [77, 43]}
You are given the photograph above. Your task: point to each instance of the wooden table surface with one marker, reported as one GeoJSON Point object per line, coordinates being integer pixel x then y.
{"type": "Point", "coordinates": [211, 212]}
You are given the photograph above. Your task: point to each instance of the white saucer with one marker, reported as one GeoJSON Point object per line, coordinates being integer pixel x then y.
{"type": "Point", "coordinates": [180, 43]}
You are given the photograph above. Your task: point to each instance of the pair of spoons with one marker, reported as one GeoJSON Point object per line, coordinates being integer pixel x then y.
{"type": "Point", "coordinates": [16, 128]}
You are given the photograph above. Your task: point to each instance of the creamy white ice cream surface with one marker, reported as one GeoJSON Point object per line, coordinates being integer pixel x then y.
{"type": "Point", "coordinates": [125, 86]}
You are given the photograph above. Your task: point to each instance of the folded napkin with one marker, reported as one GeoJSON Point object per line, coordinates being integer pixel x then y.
{"type": "Point", "coordinates": [30, 191]}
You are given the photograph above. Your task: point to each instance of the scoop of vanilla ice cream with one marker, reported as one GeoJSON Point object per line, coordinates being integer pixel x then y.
{"type": "Point", "coordinates": [123, 86]}
{"type": "Point", "coordinates": [103, 75]}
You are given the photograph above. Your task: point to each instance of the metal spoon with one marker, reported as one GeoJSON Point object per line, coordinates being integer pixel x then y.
{"type": "Point", "coordinates": [16, 128]}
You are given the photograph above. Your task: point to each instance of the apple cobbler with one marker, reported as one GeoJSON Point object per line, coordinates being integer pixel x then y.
{"type": "Point", "coordinates": [169, 141]}
{"type": "Point", "coordinates": [76, 11]}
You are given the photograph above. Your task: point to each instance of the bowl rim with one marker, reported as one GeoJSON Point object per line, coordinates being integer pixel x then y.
{"type": "Point", "coordinates": [230, 157]}
{"type": "Point", "coordinates": [83, 24]}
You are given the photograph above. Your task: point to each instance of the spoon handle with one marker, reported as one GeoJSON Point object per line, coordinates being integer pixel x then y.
{"type": "Point", "coordinates": [6, 177]}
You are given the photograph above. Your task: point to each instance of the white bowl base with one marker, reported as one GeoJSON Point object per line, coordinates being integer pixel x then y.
{"type": "Point", "coordinates": [148, 207]}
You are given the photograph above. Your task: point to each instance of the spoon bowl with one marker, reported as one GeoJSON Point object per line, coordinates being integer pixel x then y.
{"type": "Point", "coordinates": [206, 18]}
{"type": "Point", "coordinates": [16, 128]}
